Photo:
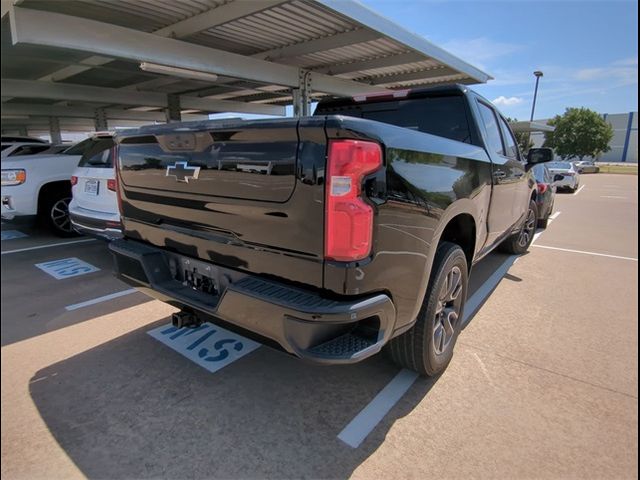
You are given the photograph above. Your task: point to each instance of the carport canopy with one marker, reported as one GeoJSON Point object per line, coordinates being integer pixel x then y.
{"type": "Point", "coordinates": [530, 127]}
{"type": "Point", "coordinates": [85, 64]}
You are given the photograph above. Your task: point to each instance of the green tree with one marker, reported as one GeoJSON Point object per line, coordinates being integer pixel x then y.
{"type": "Point", "coordinates": [523, 138]}
{"type": "Point", "coordinates": [580, 133]}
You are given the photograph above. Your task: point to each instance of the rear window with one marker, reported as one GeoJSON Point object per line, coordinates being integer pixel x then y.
{"type": "Point", "coordinates": [81, 147]}
{"type": "Point", "coordinates": [565, 165]}
{"type": "Point", "coordinates": [98, 154]}
{"type": "Point", "coordinates": [541, 173]}
{"type": "Point", "coordinates": [444, 116]}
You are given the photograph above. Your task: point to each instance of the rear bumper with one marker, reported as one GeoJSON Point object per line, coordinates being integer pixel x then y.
{"type": "Point", "coordinates": [106, 226]}
{"type": "Point", "coordinates": [323, 330]}
{"type": "Point", "coordinates": [567, 182]}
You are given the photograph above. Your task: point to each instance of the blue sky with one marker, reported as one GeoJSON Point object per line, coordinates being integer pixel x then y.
{"type": "Point", "coordinates": [586, 49]}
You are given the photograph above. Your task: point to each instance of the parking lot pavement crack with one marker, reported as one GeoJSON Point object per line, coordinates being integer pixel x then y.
{"type": "Point", "coordinates": [553, 372]}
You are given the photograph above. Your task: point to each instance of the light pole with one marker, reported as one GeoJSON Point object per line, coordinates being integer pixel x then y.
{"type": "Point", "coordinates": [538, 74]}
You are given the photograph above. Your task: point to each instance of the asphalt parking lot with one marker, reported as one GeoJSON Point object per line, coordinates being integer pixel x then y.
{"type": "Point", "coordinates": [544, 382]}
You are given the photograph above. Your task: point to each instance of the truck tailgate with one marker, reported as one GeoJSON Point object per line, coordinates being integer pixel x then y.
{"type": "Point", "coordinates": [230, 194]}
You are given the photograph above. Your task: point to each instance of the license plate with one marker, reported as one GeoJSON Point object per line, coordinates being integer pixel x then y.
{"type": "Point", "coordinates": [91, 187]}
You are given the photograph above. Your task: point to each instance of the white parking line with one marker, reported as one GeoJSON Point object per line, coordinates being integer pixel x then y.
{"type": "Point", "coordinates": [59, 244]}
{"type": "Point", "coordinates": [596, 254]}
{"type": "Point", "coordinates": [363, 423]}
{"type": "Point", "coordinates": [475, 301]}
{"type": "Point", "coordinates": [580, 189]}
{"type": "Point", "coordinates": [104, 298]}
{"type": "Point", "coordinates": [369, 417]}
{"type": "Point", "coordinates": [554, 216]}
{"type": "Point", "coordinates": [613, 196]}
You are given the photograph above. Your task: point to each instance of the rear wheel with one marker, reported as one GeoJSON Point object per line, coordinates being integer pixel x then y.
{"type": "Point", "coordinates": [428, 347]}
{"type": "Point", "coordinates": [520, 242]}
{"type": "Point", "coordinates": [55, 213]}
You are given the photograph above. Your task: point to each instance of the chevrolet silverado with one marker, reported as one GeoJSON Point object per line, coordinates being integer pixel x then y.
{"type": "Point", "coordinates": [330, 236]}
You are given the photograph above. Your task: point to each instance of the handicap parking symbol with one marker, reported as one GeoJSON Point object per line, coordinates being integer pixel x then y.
{"type": "Point", "coordinates": [210, 346]}
{"type": "Point", "coordinates": [66, 268]}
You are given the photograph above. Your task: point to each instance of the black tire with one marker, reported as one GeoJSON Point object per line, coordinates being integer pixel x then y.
{"type": "Point", "coordinates": [416, 349]}
{"type": "Point", "coordinates": [54, 213]}
{"type": "Point", "coordinates": [543, 223]}
{"type": "Point", "coordinates": [520, 242]}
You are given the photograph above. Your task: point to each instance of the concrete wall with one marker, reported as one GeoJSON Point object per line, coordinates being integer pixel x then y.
{"type": "Point", "coordinates": [624, 145]}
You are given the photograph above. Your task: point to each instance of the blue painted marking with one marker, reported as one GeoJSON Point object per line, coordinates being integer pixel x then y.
{"type": "Point", "coordinates": [625, 150]}
{"type": "Point", "coordinates": [66, 268]}
{"type": "Point", "coordinates": [179, 333]}
{"type": "Point", "coordinates": [201, 339]}
{"type": "Point", "coordinates": [213, 349]}
{"type": "Point", "coordinates": [12, 235]}
{"type": "Point", "coordinates": [195, 330]}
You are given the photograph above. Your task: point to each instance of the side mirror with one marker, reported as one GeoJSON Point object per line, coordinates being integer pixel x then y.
{"type": "Point", "coordinates": [557, 178]}
{"type": "Point", "coordinates": [539, 155]}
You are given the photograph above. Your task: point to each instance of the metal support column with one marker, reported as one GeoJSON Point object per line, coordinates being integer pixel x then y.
{"type": "Point", "coordinates": [173, 108]}
{"type": "Point", "coordinates": [100, 120]}
{"type": "Point", "coordinates": [54, 130]}
{"type": "Point", "coordinates": [302, 94]}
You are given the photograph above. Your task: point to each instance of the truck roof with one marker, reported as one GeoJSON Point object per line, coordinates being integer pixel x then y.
{"type": "Point", "coordinates": [386, 95]}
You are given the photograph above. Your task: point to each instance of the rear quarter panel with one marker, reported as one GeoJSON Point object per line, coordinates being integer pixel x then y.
{"type": "Point", "coordinates": [429, 181]}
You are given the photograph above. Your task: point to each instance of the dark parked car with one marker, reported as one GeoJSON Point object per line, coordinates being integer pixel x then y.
{"type": "Point", "coordinates": [353, 229]}
{"type": "Point", "coordinates": [546, 193]}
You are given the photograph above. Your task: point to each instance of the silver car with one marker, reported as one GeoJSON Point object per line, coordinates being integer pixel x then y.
{"type": "Point", "coordinates": [586, 166]}
{"type": "Point", "coordinates": [565, 175]}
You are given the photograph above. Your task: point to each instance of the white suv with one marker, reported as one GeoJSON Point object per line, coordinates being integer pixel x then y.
{"type": "Point", "coordinates": [39, 186]}
{"type": "Point", "coordinates": [94, 207]}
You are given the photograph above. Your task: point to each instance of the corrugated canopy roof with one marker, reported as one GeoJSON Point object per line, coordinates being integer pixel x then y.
{"type": "Point", "coordinates": [65, 58]}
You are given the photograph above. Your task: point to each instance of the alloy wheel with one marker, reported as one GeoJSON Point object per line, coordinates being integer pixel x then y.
{"type": "Point", "coordinates": [60, 215]}
{"type": "Point", "coordinates": [528, 229]}
{"type": "Point", "coordinates": [447, 311]}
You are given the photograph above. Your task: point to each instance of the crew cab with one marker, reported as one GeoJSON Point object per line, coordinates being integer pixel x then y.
{"type": "Point", "coordinates": [331, 236]}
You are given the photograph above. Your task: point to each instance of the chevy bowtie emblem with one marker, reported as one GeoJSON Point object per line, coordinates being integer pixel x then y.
{"type": "Point", "coordinates": [183, 172]}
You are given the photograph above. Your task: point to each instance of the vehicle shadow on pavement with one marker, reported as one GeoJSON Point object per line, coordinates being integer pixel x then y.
{"type": "Point", "coordinates": [133, 408]}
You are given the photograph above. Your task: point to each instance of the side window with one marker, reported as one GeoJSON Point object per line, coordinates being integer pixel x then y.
{"type": "Point", "coordinates": [494, 140]}
{"type": "Point", "coordinates": [509, 141]}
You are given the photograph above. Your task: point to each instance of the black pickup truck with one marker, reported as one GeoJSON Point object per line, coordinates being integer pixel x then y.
{"type": "Point", "coordinates": [329, 236]}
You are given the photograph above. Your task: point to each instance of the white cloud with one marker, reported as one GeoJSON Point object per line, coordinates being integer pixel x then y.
{"type": "Point", "coordinates": [627, 62]}
{"type": "Point", "coordinates": [507, 101]}
{"type": "Point", "coordinates": [480, 51]}
{"type": "Point", "coordinates": [626, 75]}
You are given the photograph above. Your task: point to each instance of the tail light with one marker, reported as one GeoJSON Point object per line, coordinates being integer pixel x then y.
{"type": "Point", "coordinates": [74, 180]}
{"type": "Point", "coordinates": [116, 171]}
{"type": "Point", "coordinates": [111, 184]}
{"type": "Point", "coordinates": [543, 187]}
{"type": "Point", "coordinates": [349, 219]}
